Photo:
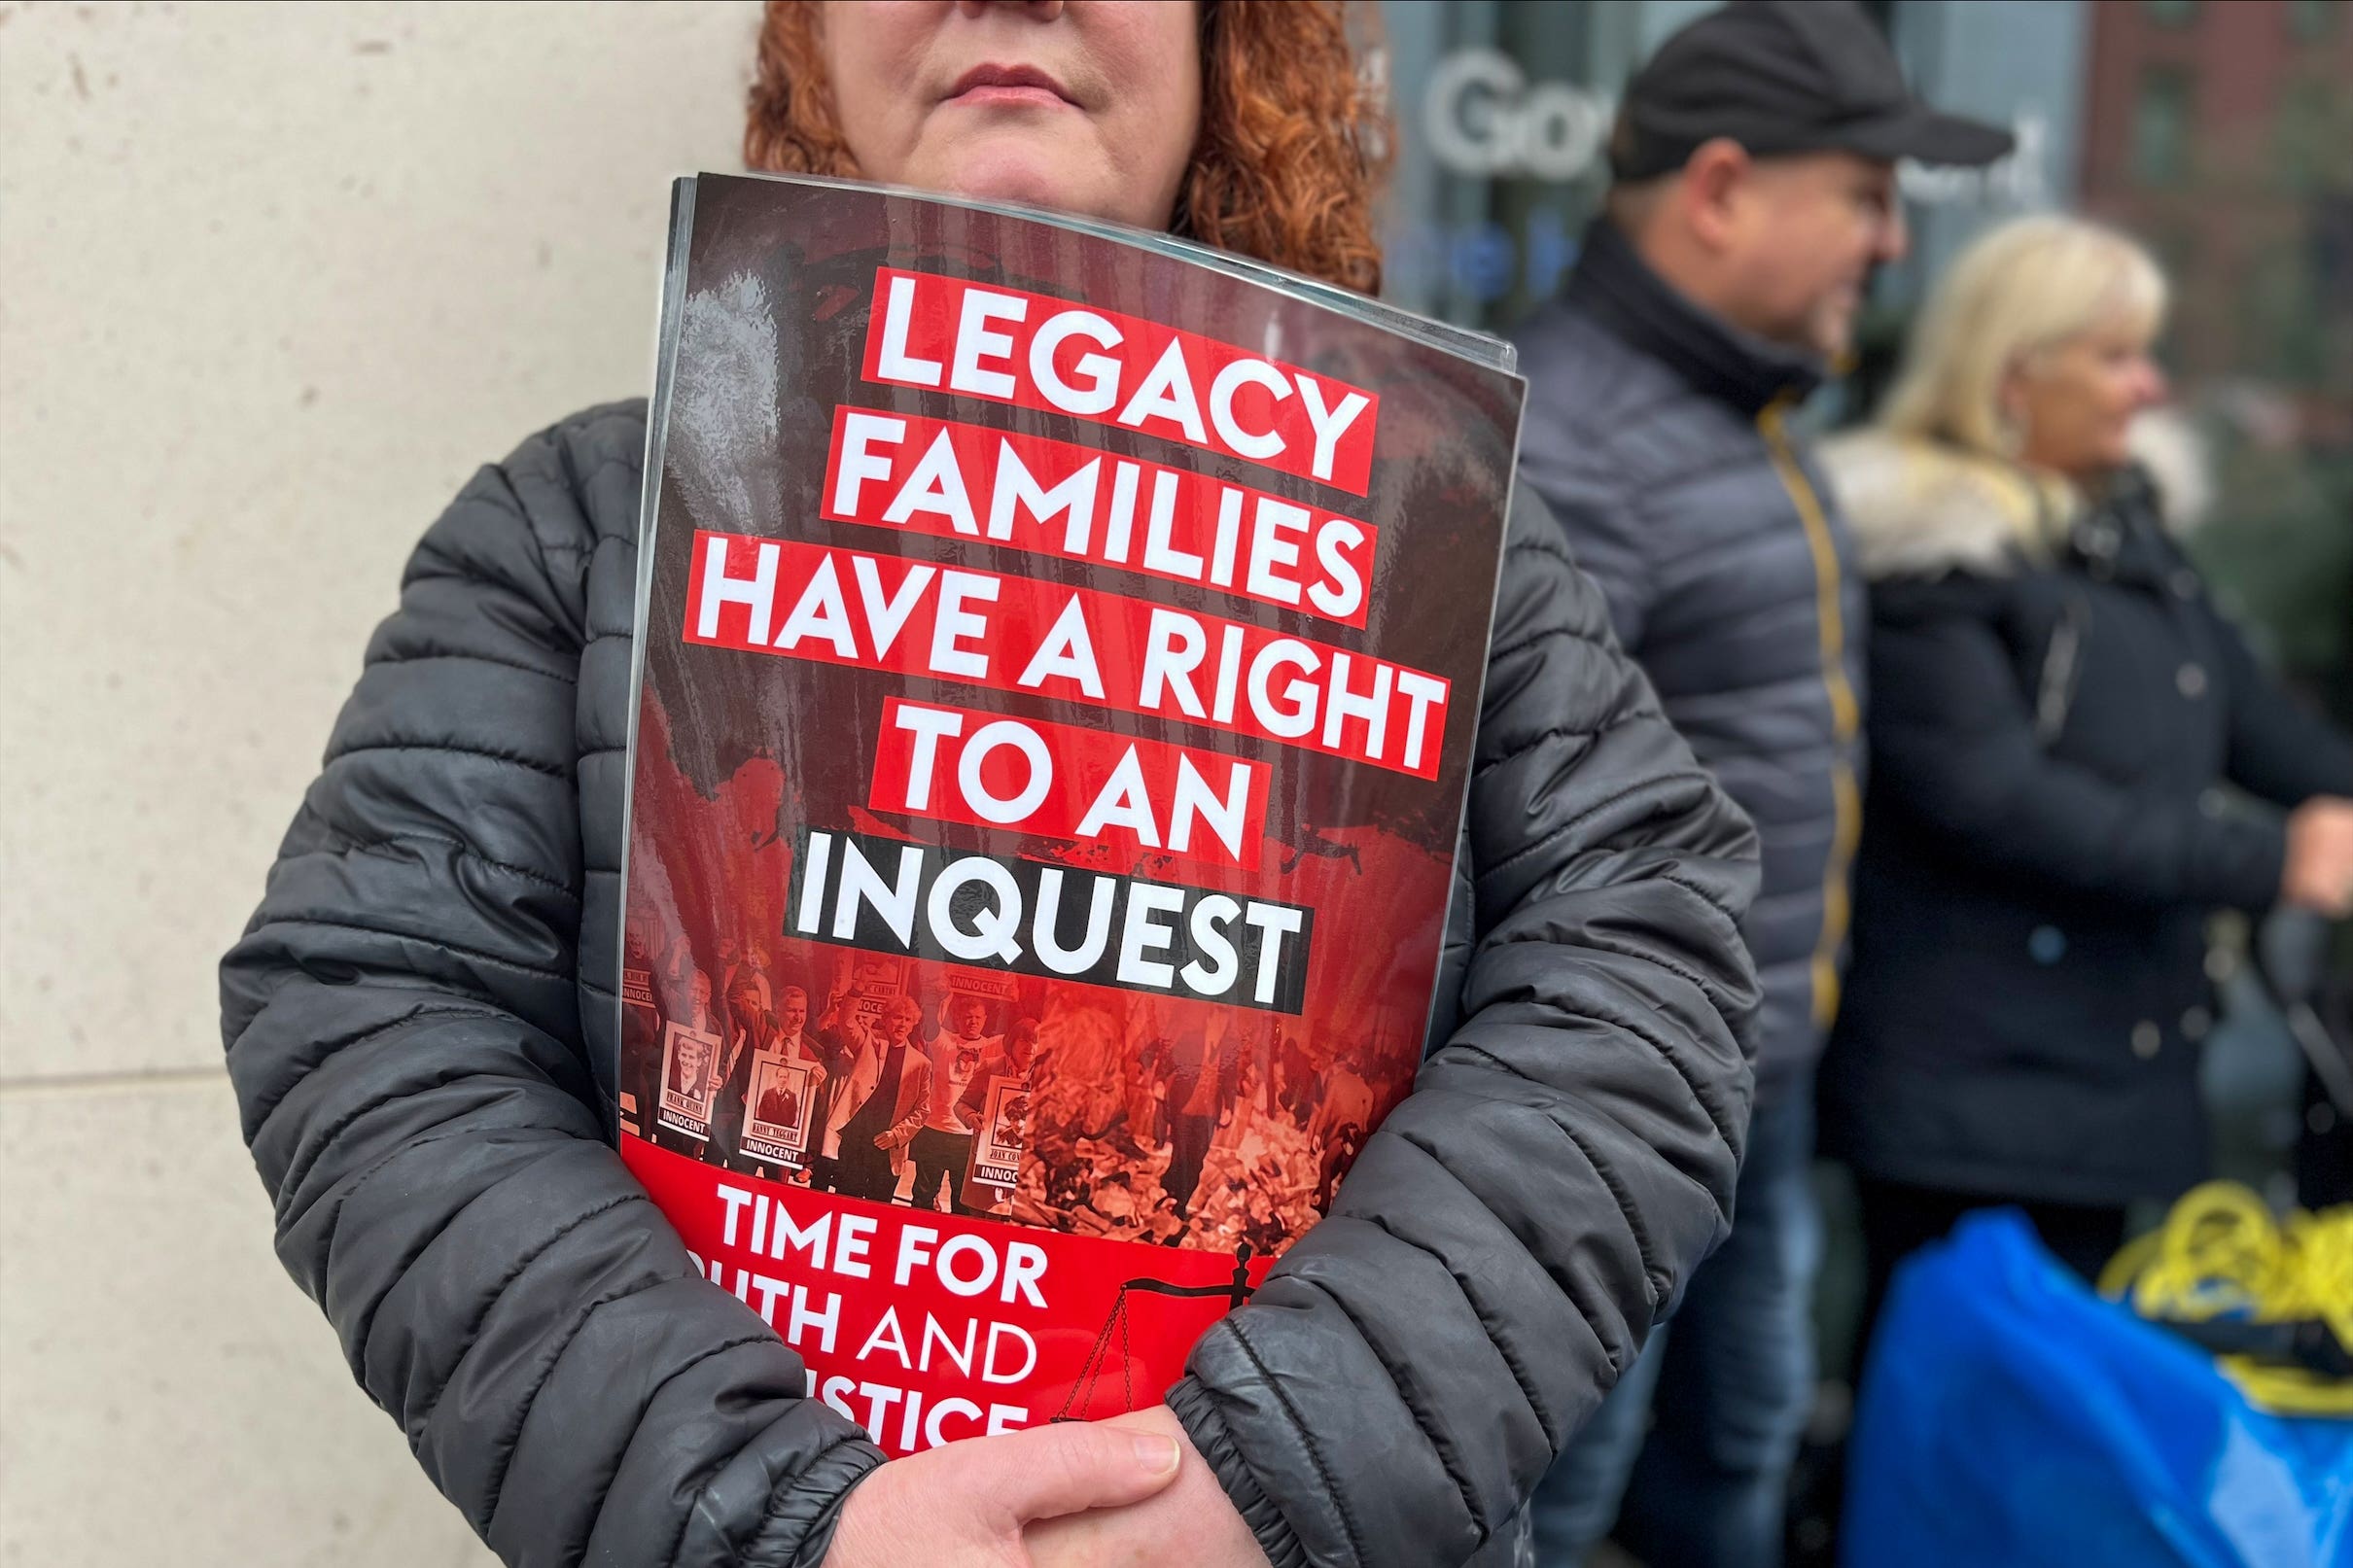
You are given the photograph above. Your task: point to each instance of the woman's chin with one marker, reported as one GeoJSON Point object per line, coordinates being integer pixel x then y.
{"type": "Point", "coordinates": [1033, 176]}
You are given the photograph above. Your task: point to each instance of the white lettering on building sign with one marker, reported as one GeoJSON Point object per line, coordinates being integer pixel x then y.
{"type": "Point", "coordinates": [1482, 118]}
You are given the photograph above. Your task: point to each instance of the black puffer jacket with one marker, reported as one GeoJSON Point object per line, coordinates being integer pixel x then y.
{"type": "Point", "coordinates": [413, 1013]}
{"type": "Point", "coordinates": [1654, 432]}
{"type": "Point", "coordinates": [2045, 837]}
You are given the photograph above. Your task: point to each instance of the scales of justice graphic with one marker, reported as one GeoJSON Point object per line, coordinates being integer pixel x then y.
{"type": "Point", "coordinates": [1081, 1397]}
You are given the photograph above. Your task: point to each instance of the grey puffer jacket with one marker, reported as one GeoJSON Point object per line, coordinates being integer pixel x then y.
{"type": "Point", "coordinates": [1655, 433]}
{"type": "Point", "coordinates": [413, 1014]}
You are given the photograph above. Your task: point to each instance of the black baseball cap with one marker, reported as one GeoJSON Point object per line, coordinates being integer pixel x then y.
{"type": "Point", "coordinates": [1785, 76]}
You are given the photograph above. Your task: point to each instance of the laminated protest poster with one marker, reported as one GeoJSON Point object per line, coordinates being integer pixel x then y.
{"type": "Point", "coordinates": [1059, 656]}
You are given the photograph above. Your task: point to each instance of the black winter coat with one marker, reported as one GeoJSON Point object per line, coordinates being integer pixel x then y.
{"type": "Point", "coordinates": [412, 1015]}
{"type": "Point", "coordinates": [1655, 433]}
{"type": "Point", "coordinates": [2044, 839]}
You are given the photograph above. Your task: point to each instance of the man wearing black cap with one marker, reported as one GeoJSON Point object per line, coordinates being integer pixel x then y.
{"type": "Point", "coordinates": [1754, 191]}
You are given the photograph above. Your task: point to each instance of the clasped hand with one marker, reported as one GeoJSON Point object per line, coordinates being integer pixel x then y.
{"type": "Point", "coordinates": [1129, 1492]}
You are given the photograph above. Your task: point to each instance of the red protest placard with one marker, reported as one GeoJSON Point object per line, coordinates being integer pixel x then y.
{"type": "Point", "coordinates": [1058, 668]}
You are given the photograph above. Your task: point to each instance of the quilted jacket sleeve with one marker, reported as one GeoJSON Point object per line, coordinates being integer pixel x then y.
{"type": "Point", "coordinates": [1511, 1233]}
{"type": "Point", "coordinates": [403, 1032]}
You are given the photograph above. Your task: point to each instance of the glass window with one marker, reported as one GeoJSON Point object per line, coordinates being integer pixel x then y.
{"type": "Point", "coordinates": [2309, 20]}
{"type": "Point", "coordinates": [2161, 126]}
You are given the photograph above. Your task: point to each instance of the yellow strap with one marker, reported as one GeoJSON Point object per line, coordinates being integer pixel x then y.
{"type": "Point", "coordinates": [1846, 714]}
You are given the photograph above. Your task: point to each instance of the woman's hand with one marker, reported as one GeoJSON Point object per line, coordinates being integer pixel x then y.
{"type": "Point", "coordinates": [1190, 1525]}
{"type": "Point", "coordinates": [2319, 871]}
{"type": "Point", "coordinates": [967, 1505]}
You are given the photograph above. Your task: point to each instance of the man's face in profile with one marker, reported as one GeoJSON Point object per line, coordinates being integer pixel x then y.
{"type": "Point", "coordinates": [1810, 229]}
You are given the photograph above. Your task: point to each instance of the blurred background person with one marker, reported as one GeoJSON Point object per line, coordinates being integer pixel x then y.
{"type": "Point", "coordinates": [2057, 706]}
{"type": "Point", "coordinates": [1754, 193]}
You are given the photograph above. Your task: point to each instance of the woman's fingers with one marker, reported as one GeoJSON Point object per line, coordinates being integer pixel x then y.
{"type": "Point", "coordinates": [964, 1505]}
{"type": "Point", "coordinates": [1067, 1468]}
{"type": "Point", "coordinates": [1190, 1523]}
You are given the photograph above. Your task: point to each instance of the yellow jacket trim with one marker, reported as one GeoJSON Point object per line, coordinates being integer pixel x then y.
{"type": "Point", "coordinates": [1846, 714]}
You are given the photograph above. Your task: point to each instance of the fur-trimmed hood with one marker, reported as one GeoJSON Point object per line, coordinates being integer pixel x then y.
{"type": "Point", "coordinates": [1920, 508]}
{"type": "Point", "coordinates": [1923, 508]}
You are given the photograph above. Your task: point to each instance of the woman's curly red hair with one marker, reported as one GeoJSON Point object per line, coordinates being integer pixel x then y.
{"type": "Point", "coordinates": [1292, 140]}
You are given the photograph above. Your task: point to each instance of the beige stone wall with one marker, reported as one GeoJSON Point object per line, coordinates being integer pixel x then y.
{"type": "Point", "coordinates": [273, 279]}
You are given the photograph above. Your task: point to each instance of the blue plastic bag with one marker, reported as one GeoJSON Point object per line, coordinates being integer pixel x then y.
{"type": "Point", "coordinates": [2012, 1416]}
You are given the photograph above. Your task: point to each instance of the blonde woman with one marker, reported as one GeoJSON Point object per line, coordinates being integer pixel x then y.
{"type": "Point", "coordinates": [2056, 706]}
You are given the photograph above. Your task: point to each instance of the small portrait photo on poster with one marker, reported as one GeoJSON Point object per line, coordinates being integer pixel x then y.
{"type": "Point", "coordinates": [997, 1147]}
{"type": "Point", "coordinates": [782, 1101]}
{"type": "Point", "coordinates": [689, 1081]}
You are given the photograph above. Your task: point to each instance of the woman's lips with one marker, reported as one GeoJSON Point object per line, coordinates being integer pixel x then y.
{"type": "Point", "coordinates": [1008, 85]}
{"type": "Point", "coordinates": [1009, 95]}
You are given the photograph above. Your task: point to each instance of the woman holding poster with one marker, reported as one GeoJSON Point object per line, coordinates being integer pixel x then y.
{"type": "Point", "coordinates": [420, 1013]}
